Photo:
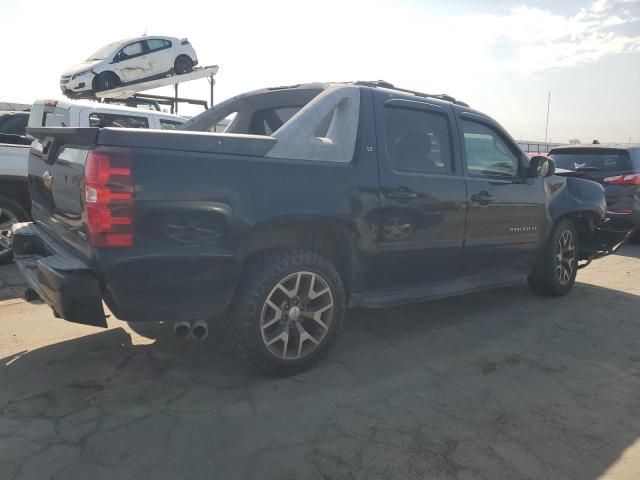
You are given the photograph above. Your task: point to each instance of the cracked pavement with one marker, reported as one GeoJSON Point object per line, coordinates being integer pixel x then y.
{"type": "Point", "coordinates": [498, 385]}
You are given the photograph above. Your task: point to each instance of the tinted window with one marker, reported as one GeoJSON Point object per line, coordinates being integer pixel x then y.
{"type": "Point", "coordinates": [603, 160]}
{"type": "Point", "coordinates": [57, 118]}
{"type": "Point", "coordinates": [417, 140]}
{"type": "Point", "coordinates": [14, 124]}
{"type": "Point", "coordinates": [157, 44]}
{"type": "Point", "coordinates": [132, 49]}
{"type": "Point", "coordinates": [265, 122]}
{"type": "Point", "coordinates": [116, 120]}
{"type": "Point", "coordinates": [487, 153]}
{"type": "Point", "coordinates": [169, 124]}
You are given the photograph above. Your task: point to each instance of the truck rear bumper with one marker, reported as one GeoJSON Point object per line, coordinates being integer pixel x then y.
{"type": "Point", "coordinates": [139, 288]}
{"type": "Point", "coordinates": [66, 283]}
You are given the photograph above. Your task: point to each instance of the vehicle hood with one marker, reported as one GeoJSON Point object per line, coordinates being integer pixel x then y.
{"type": "Point", "coordinates": [81, 67]}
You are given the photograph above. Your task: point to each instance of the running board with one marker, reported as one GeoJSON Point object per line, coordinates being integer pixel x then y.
{"type": "Point", "coordinates": [434, 291]}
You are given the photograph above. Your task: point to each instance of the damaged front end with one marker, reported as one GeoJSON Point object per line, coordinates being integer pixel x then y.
{"type": "Point", "coordinates": [607, 236]}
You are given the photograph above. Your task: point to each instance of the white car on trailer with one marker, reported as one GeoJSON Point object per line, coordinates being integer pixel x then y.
{"type": "Point", "coordinates": [129, 61]}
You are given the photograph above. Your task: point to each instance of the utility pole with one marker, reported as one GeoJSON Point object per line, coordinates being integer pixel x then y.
{"type": "Point", "coordinates": [546, 129]}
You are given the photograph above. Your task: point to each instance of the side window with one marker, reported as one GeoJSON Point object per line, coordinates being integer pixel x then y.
{"type": "Point", "coordinates": [488, 155]}
{"type": "Point", "coordinates": [114, 120]}
{"type": "Point", "coordinates": [13, 124]}
{"type": "Point", "coordinates": [131, 50]}
{"type": "Point", "coordinates": [169, 124]}
{"type": "Point", "coordinates": [418, 140]}
{"type": "Point", "coordinates": [157, 44]}
{"type": "Point", "coordinates": [167, 43]}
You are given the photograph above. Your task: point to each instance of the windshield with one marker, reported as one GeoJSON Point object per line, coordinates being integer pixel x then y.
{"type": "Point", "coordinates": [105, 52]}
{"type": "Point", "coordinates": [605, 160]}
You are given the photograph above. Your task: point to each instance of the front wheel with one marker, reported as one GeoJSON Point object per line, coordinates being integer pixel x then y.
{"type": "Point", "coordinates": [287, 312]}
{"type": "Point", "coordinates": [106, 81]}
{"type": "Point", "coordinates": [555, 272]}
{"type": "Point", "coordinates": [10, 214]}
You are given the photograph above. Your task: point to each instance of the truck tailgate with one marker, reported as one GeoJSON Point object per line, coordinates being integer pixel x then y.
{"type": "Point", "coordinates": [56, 180]}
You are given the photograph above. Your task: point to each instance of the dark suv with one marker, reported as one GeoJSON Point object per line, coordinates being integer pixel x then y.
{"type": "Point", "coordinates": [316, 198]}
{"type": "Point", "coordinates": [617, 168]}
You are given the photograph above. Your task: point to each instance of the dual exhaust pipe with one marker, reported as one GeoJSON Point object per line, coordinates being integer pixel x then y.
{"type": "Point", "coordinates": [198, 329]}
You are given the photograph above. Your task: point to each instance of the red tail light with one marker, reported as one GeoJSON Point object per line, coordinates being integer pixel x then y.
{"type": "Point", "coordinates": [108, 197]}
{"type": "Point", "coordinates": [633, 179]}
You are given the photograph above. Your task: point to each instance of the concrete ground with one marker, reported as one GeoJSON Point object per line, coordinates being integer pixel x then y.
{"type": "Point", "coordinates": [500, 385]}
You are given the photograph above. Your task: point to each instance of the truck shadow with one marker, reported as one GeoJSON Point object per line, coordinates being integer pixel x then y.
{"type": "Point", "coordinates": [497, 385]}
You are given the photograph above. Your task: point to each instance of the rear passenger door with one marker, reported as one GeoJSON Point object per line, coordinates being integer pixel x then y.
{"type": "Point", "coordinates": [420, 222]}
{"type": "Point", "coordinates": [506, 212]}
{"type": "Point", "coordinates": [160, 55]}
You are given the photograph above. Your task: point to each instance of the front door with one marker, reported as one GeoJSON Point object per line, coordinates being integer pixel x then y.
{"type": "Point", "coordinates": [133, 62]}
{"type": "Point", "coordinates": [420, 222]}
{"type": "Point", "coordinates": [506, 211]}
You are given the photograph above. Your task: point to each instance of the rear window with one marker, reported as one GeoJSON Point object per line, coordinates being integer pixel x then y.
{"type": "Point", "coordinates": [115, 120]}
{"type": "Point", "coordinates": [57, 118]}
{"type": "Point", "coordinates": [600, 160]}
{"type": "Point", "coordinates": [169, 124]}
{"type": "Point", "coordinates": [267, 121]}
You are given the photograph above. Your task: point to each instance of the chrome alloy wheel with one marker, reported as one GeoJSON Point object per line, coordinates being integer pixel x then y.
{"type": "Point", "coordinates": [565, 257]}
{"type": "Point", "coordinates": [297, 315]}
{"type": "Point", "coordinates": [7, 219]}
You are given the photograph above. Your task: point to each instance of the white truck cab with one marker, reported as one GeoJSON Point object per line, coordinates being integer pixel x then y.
{"type": "Point", "coordinates": [85, 113]}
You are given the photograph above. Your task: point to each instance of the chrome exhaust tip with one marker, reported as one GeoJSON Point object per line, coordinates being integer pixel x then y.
{"type": "Point", "coordinates": [200, 329]}
{"type": "Point", "coordinates": [182, 329]}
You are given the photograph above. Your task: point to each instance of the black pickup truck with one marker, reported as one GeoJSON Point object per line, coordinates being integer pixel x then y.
{"type": "Point", "coordinates": [317, 198]}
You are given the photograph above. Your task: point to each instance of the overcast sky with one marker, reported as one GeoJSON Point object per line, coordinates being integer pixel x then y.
{"type": "Point", "coordinates": [499, 56]}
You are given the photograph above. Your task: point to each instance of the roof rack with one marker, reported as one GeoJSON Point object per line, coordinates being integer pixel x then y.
{"type": "Point", "coordinates": [390, 86]}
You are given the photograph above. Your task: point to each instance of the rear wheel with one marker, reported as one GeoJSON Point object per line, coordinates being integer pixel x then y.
{"type": "Point", "coordinates": [10, 214]}
{"type": "Point", "coordinates": [106, 81]}
{"type": "Point", "coordinates": [287, 312]}
{"type": "Point", "coordinates": [183, 64]}
{"type": "Point", "coordinates": [555, 272]}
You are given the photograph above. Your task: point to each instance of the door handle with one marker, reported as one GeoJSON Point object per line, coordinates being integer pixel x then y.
{"type": "Point", "coordinates": [401, 192]}
{"type": "Point", "coordinates": [482, 198]}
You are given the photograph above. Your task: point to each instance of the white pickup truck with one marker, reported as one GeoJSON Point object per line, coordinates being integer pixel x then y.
{"type": "Point", "coordinates": [14, 147]}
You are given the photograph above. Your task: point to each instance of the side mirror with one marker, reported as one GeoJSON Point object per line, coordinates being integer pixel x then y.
{"type": "Point", "coordinates": [541, 166]}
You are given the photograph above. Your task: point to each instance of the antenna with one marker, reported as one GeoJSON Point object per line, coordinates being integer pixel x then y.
{"type": "Point", "coordinates": [145, 32]}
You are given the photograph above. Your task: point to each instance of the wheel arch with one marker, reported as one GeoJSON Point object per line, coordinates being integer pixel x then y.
{"type": "Point", "coordinates": [333, 240]}
{"type": "Point", "coordinates": [16, 191]}
{"type": "Point", "coordinates": [584, 221]}
{"type": "Point", "coordinates": [94, 80]}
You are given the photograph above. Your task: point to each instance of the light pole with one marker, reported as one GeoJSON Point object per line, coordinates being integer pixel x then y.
{"type": "Point", "coordinates": [546, 128]}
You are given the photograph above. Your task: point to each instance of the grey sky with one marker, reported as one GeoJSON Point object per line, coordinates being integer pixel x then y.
{"type": "Point", "coordinates": [500, 56]}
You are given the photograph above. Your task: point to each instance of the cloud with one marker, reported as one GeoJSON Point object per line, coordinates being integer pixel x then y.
{"type": "Point", "coordinates": [544, 41]}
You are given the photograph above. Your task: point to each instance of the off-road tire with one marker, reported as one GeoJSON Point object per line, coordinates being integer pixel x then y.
{"type": "Point", "coordinates": [183, 64]}
{"type": "Point", "coordinates": [106, 81]}
{"type": "Point", "coordinates": [17, 212]}
{"type": "Point", "coordinates": [545, 279]}
{"type": "Point", "coordinates": [259, 279]}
